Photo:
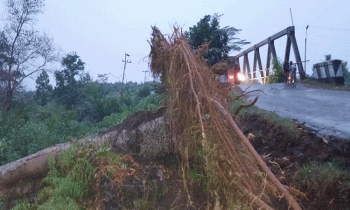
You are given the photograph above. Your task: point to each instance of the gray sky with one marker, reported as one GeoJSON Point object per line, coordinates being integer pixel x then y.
{"type": "Point", "coordinates": [102, 31]}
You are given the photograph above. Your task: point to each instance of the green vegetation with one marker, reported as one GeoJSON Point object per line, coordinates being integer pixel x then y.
{"type": "Point", "coordinates": [29, 126]}
{"type": "Point", "coordinates": [322, 181]}
{"type": "Point", "coordinates": [277, 76]}
{"type": "Point", "coordinates": [346, 73]}
{"type": "Point", "coordinates": [70, 180]}
{"type": "Point", "coordinates": [77, 177]}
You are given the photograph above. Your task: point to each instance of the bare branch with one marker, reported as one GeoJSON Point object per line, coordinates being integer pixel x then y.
{"type": "Point", "coordinates": [245, 106]}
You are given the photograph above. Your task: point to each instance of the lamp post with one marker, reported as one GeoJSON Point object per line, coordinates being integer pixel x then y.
{"type": "Point", "coordinates": [305, 48]}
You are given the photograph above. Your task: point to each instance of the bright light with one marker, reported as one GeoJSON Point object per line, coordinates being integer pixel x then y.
{"type": "Point", "coordinates": [230, 76]}
{"type": "Point", "coordinates": [241, 77]}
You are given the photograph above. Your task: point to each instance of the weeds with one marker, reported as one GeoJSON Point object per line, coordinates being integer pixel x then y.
{"type": "Point", "coordinates": [326, 184]}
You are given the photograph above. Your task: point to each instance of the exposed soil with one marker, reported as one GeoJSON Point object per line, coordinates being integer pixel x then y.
{"type": "Point", "coordinates": [153, 185]}
{"type": "Point", "coordinates": [286, 154]}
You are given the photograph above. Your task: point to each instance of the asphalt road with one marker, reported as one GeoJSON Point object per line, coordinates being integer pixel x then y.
{"type": "Point", "coordinates": [327, 111]}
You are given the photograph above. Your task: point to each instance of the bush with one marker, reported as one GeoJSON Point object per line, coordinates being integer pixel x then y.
{"type": "Point", "coordinates": [29, 127]}
{"type": "Point", "coordinates": [27, 140]}
{"type": "Point", "coordinates": [278, 74]}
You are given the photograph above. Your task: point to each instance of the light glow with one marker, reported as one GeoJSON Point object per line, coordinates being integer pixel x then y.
{"type": "Point", "coordinates": [230, 76]}
{"type": "Point", "coordinates": [241, 77]}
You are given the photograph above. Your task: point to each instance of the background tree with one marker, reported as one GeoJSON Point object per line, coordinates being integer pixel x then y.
{"type": "Point", "coordinates": [66, 89]}
{"type": "Point", "coordinates": [346, 73]}
{"type": "Point", "coordinates": [43, 88]}
{"type": "Point", "coordinates": [24, 51]}
{"type": "Point", "coordinates": [222, 40]}
{"type": "Point", "coordinates": [277, 75]}
{"type": "Point", "coordinates": [4, 59]}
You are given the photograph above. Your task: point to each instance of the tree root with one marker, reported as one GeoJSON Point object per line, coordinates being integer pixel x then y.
{"type": "Point", "coordinates": [292, 202]}
{"type": "Point", "coordinates": [245, 106]}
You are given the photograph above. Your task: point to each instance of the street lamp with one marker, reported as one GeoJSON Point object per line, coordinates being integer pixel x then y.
{"type": "Point", "coordinates": [305, 48]}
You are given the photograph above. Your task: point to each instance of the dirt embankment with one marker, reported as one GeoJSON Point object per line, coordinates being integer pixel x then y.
{"type": "Point", "coordinates": [287, 155]}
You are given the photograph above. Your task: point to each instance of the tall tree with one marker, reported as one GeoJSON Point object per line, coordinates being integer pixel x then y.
{"type": "Point", "coordinates": [222, 40]}
{"type": "Point", "coordinates": [4, 60]}
{"type": "Point", "coordinates": [66, 83]}
{"type": "Point", "coordinates": [24, 50]}
{"type": "Point", "coordinates": [43, 88]}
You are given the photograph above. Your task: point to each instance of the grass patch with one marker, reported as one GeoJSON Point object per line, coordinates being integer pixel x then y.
{"type": "Point", "coordinates": [326, 184]}
{"type": "Point", "coordinates": [287, 124]}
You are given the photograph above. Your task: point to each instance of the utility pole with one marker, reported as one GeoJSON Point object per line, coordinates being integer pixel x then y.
{"type": "Point", "coordinates": [125, 62]}
{"type": "Point", "coordinates": [145, 76]}
{"type": "Point", "coordinates": [305, 47]}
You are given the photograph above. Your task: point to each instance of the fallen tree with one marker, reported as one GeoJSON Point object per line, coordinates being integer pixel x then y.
{"type": "Point", "coordinates": [136, 134]}
{"type": "Point", "coordinates": [199, 123]}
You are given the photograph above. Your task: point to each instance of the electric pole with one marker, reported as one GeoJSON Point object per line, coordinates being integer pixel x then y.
{"type": "Point", "coordinates": [145, 76]}
{"type": "Point", "coordinates": [125, 62]}
{"type": "Point", "coordinates": [305, 47]}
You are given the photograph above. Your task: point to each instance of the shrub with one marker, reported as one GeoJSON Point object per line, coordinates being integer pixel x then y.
{"type": "Point", "coordinates": [278, 74]}
{"type": "Point", "coordinates": [26, 140]}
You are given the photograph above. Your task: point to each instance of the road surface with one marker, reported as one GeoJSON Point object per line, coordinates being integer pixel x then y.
{"type": "Point", "coordinates": [327, 111]}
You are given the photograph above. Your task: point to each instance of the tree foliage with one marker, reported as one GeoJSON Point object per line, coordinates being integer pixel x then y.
{"type": "Point", "coordinates": [23, 50]}
{"type": "Point", "coordinates": [346, 73]}
{"type": "Point", "coordinates": [66, 82]}
{"type": "Point", "coordinates": [29, 127]}
{"type": "Point", "coordinates": [222, 40]}
{"type": "Point", "coordinates": [277, 76]}
{"type": "Point", "coordinates": [43, 88]}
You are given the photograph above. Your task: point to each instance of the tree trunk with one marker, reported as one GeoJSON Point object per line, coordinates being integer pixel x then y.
{"type": "Point", "coordinates": [142, 134]}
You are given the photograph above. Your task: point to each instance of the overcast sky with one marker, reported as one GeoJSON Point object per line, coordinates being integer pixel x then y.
{"type": "Point", "coordinates": [101, 32]}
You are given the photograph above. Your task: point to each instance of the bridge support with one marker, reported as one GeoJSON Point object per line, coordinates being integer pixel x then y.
{"type": "Point", "coordinates": [271, 51]}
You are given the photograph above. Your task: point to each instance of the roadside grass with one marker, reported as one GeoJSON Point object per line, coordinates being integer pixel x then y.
{"type": "Point", "coordinates": [288, 124]}
{"type": "Point", "coordinates": [326, 184]}
{"type": "Point", "coordinates": [311, 82]}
